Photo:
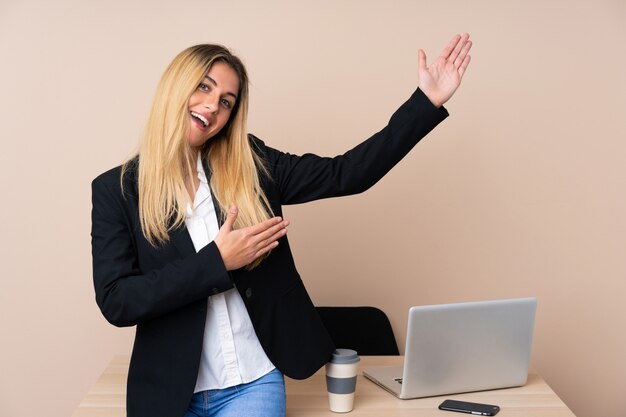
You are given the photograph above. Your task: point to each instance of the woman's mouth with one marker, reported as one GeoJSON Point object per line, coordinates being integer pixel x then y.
{"type": "Point", "coordinates": [200, 120]}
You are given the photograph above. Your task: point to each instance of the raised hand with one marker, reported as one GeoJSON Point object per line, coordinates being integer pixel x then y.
{"type": "Point", "coordinates": [240, 247]}
{"type": "Point", "coordinates": [440, 80]}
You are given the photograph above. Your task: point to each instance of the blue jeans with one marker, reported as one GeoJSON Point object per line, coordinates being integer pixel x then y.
{"type": "Point", "coordinates": [264, 397]}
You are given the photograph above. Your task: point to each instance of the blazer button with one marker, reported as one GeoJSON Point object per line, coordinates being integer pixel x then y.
{"type": "Point", "coordinates": [215, 291]}
{"type": "Point", "coordinates": [248, 292]}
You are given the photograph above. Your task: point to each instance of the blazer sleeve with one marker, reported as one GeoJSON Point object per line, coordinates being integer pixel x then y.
{"type": "Point", "coordinates": [127, 294]}
{"type": "Point", "coordinates": [311, 177]}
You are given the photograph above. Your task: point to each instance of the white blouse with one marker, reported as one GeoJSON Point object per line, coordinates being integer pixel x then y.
{"type": "Point", "coordinates": [231, 351]}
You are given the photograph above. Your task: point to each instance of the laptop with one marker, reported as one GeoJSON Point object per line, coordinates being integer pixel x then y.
{"type": "Point", "coordinates": [455, 348]}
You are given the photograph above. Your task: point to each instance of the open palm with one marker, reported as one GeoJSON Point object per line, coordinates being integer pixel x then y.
{"type": "Point", "coordinates": [440, 80]}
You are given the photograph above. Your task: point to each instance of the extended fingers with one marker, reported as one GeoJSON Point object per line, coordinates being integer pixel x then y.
{"type": "Point", "coordinates": [464, 65]}
{"type": "Point", "coordinates": [463, 54]}
{"type": "Point", "coordinates": [272, 233]}
{"type": "Point", "coordinates": [240, 247]}
{"type": "Point", "coordinates": [266, 232]}
{"type": "Point", "coordinates": [459, 47]}
{"type": "Point", "coordinates": [449, 49]}
{"type": "Point", "coordinates": [271, 242]}
{"type": "Point", "coordinates": [263, 226]}
{"type": "Point", "coordinates": [265, 241]}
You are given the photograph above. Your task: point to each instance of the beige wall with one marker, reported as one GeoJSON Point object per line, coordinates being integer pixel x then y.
{"type": "Point", "coordinates": [522, 191]}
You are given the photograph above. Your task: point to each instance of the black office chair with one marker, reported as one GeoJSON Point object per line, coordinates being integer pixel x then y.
{"type": "Point", "coordinates": [364, 329]}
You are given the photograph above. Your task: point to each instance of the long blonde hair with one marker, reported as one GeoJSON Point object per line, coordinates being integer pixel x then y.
{"type": "Point", "coordinates": [165, 156]}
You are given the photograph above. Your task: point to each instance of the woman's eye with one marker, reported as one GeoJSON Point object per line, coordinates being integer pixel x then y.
{"type": "Point", "coordinates": [203, 87]}
{"type": "Point", "coordinates": [226, 103]}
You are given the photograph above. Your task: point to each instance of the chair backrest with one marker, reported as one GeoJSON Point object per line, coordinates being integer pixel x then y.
{"type": "Point", "coordinates": [364, 329]}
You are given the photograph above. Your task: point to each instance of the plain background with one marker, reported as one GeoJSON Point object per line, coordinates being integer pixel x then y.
{"type": "Point", "coordinates": [521, 192]}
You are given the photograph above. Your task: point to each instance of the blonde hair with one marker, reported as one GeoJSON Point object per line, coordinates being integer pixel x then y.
{"type": "Point", "coordinates": [165, 156]}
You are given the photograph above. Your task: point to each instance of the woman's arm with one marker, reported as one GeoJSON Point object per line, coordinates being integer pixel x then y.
{"type": "Point", "coordinates": [125, 293]}
{"type": "Point", "coordinates": [310, 177]}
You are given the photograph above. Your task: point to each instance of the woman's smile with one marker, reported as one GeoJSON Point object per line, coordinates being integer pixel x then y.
{"type": "Point", "coordinates": [202, 121]}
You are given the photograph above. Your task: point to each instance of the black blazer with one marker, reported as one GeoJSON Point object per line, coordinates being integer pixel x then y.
{"type": "Point", "coordinates": [164, 291]}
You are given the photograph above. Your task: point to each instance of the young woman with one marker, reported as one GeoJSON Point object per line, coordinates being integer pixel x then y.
{"type": "Point", "coordinates": [189, 243]}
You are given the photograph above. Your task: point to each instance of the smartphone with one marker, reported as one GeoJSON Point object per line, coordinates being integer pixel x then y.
{"type": "Point", "coordinates": [470, 408]}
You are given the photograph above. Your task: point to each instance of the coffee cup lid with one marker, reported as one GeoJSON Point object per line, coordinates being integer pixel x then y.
{"type": "Point", "coordinates": [345, 356]}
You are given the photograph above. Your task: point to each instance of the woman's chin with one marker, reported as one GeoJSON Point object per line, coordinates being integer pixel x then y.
{"type": "Point", "coordinates": [197, 143]}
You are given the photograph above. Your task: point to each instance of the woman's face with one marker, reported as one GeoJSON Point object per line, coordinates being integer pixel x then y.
{"type": "Point", "coordinates": [211, 104]}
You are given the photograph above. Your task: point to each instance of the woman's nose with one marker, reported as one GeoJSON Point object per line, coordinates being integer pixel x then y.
{"type": "Point", "coordinates": [211, 102]}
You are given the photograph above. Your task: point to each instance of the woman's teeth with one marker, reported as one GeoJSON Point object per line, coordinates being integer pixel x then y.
{"type": "Point", "coordinates": [200, 117]}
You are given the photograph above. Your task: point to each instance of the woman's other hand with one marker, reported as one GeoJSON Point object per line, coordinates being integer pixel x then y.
{"type": "Point", "coordinates": [440, 80]}
{"type": "Point", "coordinates": [240, 247]}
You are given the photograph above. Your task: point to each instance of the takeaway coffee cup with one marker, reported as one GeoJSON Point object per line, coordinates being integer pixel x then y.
{"type": "Point", "coordinates": [341, 379]}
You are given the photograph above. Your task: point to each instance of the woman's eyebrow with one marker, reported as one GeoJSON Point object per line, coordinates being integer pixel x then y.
{"type": "Point", "coordinates": [212, 81]}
